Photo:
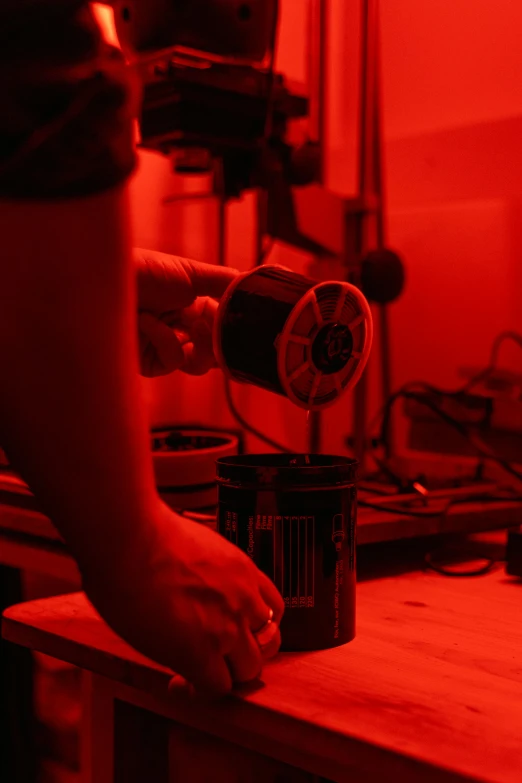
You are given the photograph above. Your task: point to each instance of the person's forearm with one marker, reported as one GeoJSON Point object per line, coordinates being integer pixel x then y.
{"type": "Point", "coordinates": [70, 411]}
{"type": "Point", "coordinates": [71, 416]}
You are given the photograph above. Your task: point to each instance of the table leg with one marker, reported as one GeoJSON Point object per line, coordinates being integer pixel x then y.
{"type": "Point", "coordinates": [97, 735]}
{"type": "Point", "coordinates": [17, 751]}
{"type": "Point", "coordinates": [195, 757]}
{"type": "Point", "coordinates": [140, 745]}
{"type": "Point", "coordinates": [125, 741]}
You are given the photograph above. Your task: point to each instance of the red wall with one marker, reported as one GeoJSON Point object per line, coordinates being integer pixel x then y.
{"type": "Point", "coordinates": [453, 100]}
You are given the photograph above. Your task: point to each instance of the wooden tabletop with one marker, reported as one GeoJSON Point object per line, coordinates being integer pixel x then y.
{"type": "Point", "coordinates": [431, 688]}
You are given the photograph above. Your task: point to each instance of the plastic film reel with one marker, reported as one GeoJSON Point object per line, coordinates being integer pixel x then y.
{"type": "Point", "coordinates": [325, 345]}
{"type": "Point", "coordinates": [305, 340]}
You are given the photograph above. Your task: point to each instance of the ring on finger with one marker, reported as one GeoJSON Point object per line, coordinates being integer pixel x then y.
{"type": "Point", "coordinates": [265, 635]}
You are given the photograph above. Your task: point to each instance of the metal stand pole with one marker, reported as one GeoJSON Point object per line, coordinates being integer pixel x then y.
{"type": "Point", "coordinates": [219, 191]}
{"type": "Point", "coordinates": [317, 83]}
{"type": "Point", "coordinates": [371, 226]}
{"type": "Point", "coordinates": [384, 322]}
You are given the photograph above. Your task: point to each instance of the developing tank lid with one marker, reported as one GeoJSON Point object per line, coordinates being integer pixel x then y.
{"type": "Point", "coordinates": [286, 470]}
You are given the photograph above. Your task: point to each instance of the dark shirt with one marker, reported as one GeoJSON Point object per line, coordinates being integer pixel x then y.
{"type": "Point", "coordinates": [67, 103]}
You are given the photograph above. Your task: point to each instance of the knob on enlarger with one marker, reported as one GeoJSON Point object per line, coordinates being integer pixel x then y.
{"type": "Point", "coordinates": [382, 276]}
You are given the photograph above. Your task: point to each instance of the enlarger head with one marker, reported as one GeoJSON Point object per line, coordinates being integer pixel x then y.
{"type": "Point", "coordinates": [211, 99]}
{"type": "Point", "coordinates": [238, 29]}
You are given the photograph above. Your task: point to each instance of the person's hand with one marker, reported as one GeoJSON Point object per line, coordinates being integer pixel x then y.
{"type": "Point", "coordinates": [193, 603]}
{"type": "Point", "coordinates": [176, 310]}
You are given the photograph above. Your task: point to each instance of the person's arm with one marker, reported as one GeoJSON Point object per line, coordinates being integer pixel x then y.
{"type": "Point", "coordinates": [71, 416]}
{"type": "Point", "coordinates": [73, 424]}
{"type": "Point", "coordinates": [69, 400]}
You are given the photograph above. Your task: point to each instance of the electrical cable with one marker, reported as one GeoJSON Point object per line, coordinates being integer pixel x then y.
{"type": "Point", "coordinates": [403, 510]}
{"type": "Point", "coordinates": [387, 471]}
{"type": "Point", "coordinates": [453, 393]}
{"type": "Point", "coordinates": [430, 560]}
{"type": "Point", "coordinates": [249, 427]}
{"type": "Point", "coordinates": [407, 392]}
{"type": "Point", "coordinates": [492, 364]}
{"type": "Point", "coordinates": [483, 452]}
{"type": "Point", "coordinates": [384, 414]}
{"type": "Point", "coordinates": [411, 512]}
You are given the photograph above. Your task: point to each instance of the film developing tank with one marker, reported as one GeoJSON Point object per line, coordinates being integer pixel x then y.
{"type": "Point", "coordinates": [297, 522]}
{"type": "Point", "coordinates": [283, 332]}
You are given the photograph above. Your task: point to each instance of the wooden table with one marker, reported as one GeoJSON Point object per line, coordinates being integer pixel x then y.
{"type": "Point", "coordinates": [430, 690]}
{"type": "Point", "coordinates": [28, 543]}
{"type": "Point", "coordinates": [28, 539]}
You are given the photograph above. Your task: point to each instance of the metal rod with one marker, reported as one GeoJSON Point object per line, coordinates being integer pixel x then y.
{"type": "Point", "coordinates": [222, 231]}
{"type": "Point", "coordinates": [360, 408]}
{"type": "Point", "coordinates": [318, 32]}
{"type": "Point", "coordinates": [219, 190]}
{"type": "Point", "coordinates": [371, 230]}
{"type": "Point", "coordinates": [378, 136]}
{"type": "Point", "coordinates": [317, 77]}
{"type": "Point", "coordinates": [380, 223]}
{"type": "Point", "coordinates": [262, 225]}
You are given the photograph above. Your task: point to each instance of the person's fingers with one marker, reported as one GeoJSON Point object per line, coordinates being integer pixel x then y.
{"type": "Point", "coordinates": [179, 684]}
{"type": "Point", "coordinates": [203, 309]}
{"type": "Point", "coordinates": [167, 282]}
{"type": "Point", "coordinates": [271, 596]}
{"type": "Point", "coordinates": [165, 348]}
{"type": "Point", "coordinates": [161, 349]}
{"type": "Point", "coordinates": [271, 649]}
{"type": "Point", "coordinates": [265, 616]}
{"type": "Point", "coordinates": [198, 321]}
{"type": "Point", "coordinates": [210, 279]}
{"type": "Point", "coordinates": [207, 673]}
{"type": "Point", "coordinates": [257, 612]}
{"type": "Point", "coordinates": [199, 352]}
{"type": "Point", "coordinates": [245, 661]}
{"type": "Point", "coordinates": [197, 362]}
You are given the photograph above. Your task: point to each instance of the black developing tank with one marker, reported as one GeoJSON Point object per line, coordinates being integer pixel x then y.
{"type": "Point", "coordinates": [295, 516]}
